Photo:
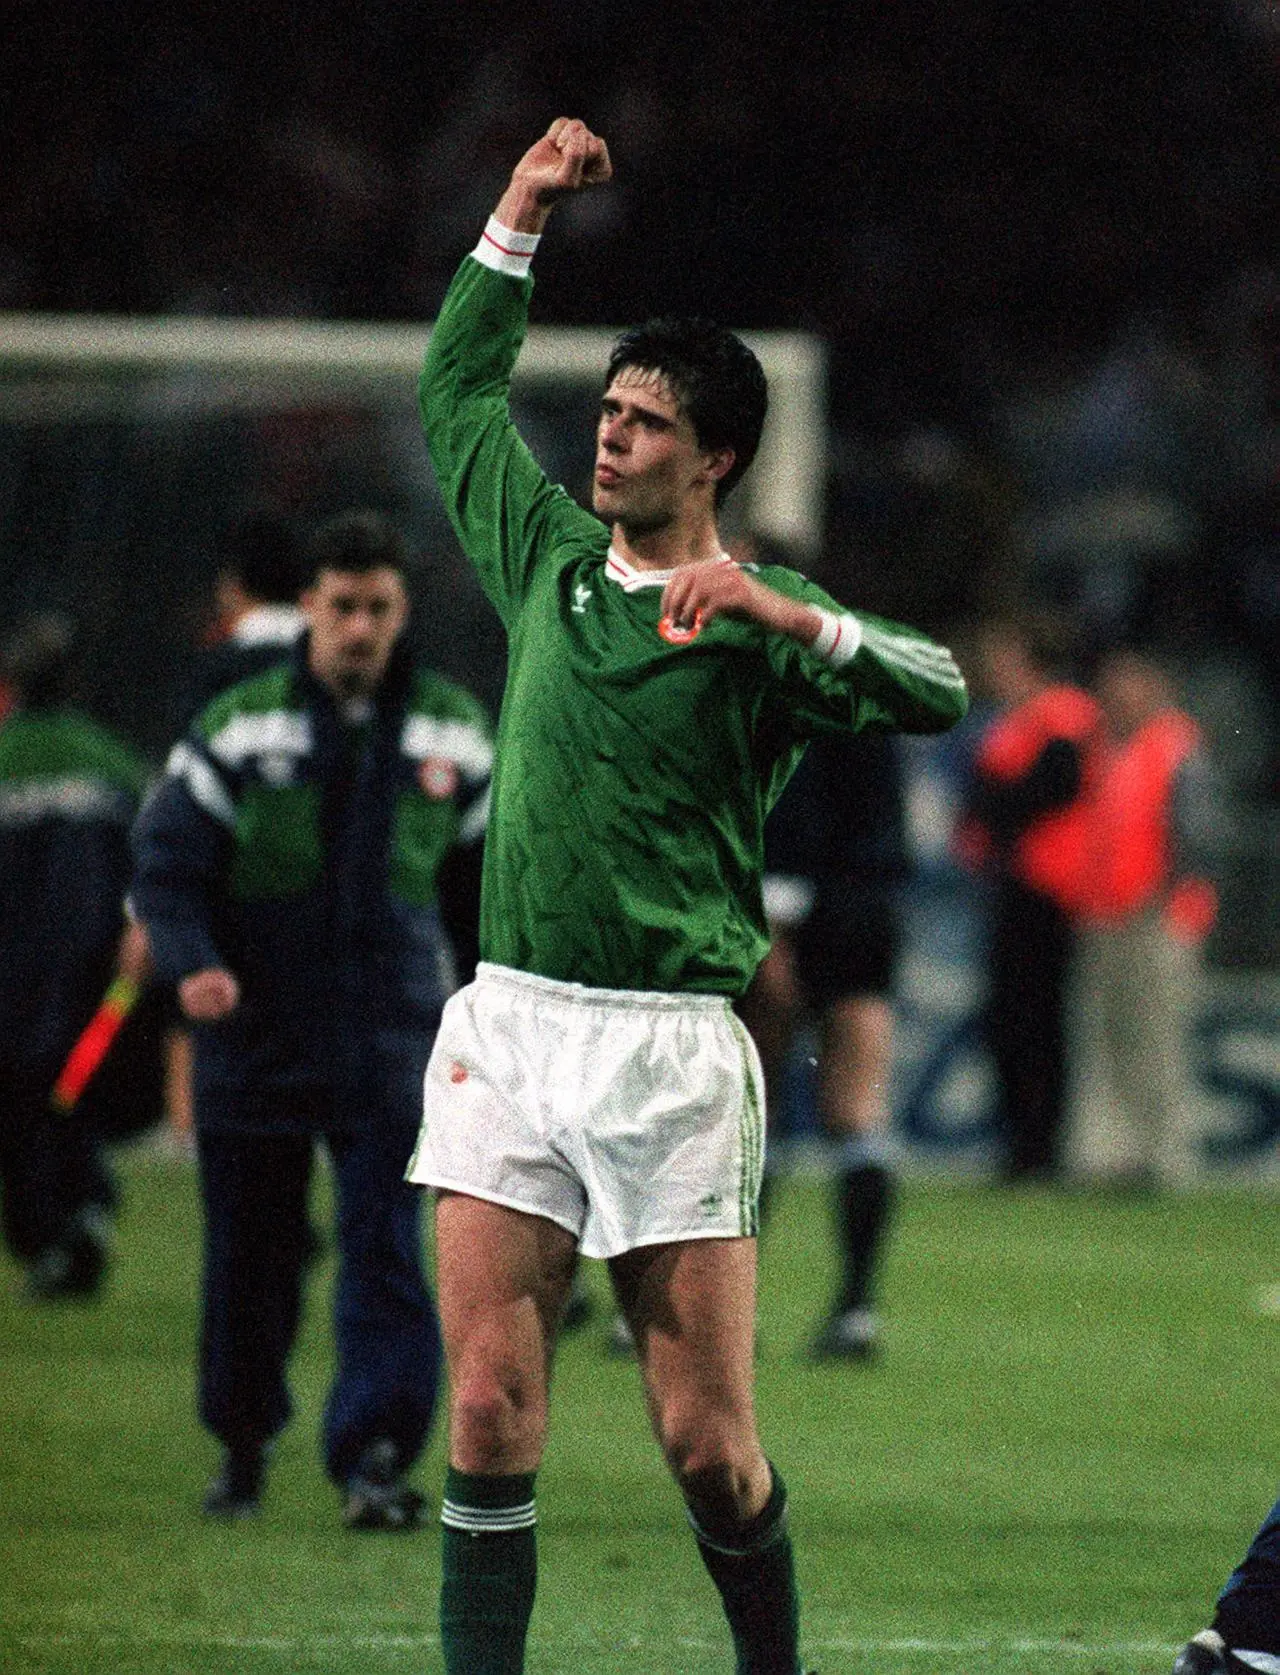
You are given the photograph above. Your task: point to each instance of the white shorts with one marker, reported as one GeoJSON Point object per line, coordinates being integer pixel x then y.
{"type": "Point", "coordinates": [627, 1118]}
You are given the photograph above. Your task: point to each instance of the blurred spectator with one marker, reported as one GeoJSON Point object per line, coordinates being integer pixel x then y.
{"type": "Point", "coordinates": [835, 859]}
{"type": "Point", "coordinates": [933, 532]}
{"type": "Point", "coordinates": [1143, 908]}
{"type": "Point", "coordinates": [1058, 300]}
{"type": "Point", "coordinates": [1108, 445]}
{"type": "Point", "coordinates": [256, 620]}
{"type": "Point", "coordinates": [257, 617]}
{"type": "Point", "coordinates": [286, 875]}
{"type": "Point", "coordinates": [69, 790]}
{"type": "Point", "coordinates": [1024, 829]}
{"type": "Point", "coordinates": [1056, 169]}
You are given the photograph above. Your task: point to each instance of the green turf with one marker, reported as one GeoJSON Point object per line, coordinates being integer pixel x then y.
{"type": "Point", "coordinates": [1069, 1439]}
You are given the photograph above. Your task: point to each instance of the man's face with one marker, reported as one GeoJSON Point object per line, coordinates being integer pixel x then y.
{"type": "Point", "coordinates": [648, 461]}
{"type": "Point", "coordinates": [356, 619]}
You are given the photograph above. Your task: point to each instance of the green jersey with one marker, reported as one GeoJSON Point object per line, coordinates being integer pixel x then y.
{"type": "Point", "coordinates": [634, 768]}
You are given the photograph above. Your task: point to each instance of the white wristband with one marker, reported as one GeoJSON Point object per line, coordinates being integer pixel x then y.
{"type": "Point", "coordinates": [838, 638]}
{"type": "Point", "coordinates": [504, 250]}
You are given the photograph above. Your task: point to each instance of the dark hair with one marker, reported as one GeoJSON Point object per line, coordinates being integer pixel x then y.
{"type": "Point", "coordinates": [356, 542]}
{"type": "Point", "coordinates": [716, 378]}
{"type": "Point", "coordinates": [40, 658]}
{"type": "Point", "coordinates": [262, 553]}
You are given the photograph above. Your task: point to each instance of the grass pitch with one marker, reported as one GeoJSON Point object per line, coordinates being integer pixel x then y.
{"type": "Point", "coordinates": [1069, 1440]}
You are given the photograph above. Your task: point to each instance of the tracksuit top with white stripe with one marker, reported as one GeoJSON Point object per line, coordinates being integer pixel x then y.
{"type": "Point", "coordinates": [302, 855]}
{"type": "Point", "coordinates": [634, 765]}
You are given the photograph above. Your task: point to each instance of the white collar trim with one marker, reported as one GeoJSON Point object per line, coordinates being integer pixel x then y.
{"type": "Point", "coordinates": [630, 579]}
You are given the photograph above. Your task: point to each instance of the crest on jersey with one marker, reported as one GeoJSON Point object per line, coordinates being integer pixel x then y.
{"type": "Point", "coordinates": [438, 777]}
{"type": "Point", "coordinates": [679, 634]}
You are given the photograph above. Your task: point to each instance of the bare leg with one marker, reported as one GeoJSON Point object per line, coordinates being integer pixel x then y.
{"type": "Point", "coordinates": [502, 1277]}
{"type": "Point", "coordinates": [857, 1054]}
{"type": "Point", "coordinates": [692, 1311]}
{"type": "Point", "coordinates": [772, 1006]}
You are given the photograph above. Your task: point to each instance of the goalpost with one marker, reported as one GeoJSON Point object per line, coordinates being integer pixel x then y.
{"type": "Point", "coordinates": [58, 368]}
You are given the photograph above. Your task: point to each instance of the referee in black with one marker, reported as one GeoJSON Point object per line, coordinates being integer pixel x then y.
{"type": "Point", "coordinates": [835, 863]}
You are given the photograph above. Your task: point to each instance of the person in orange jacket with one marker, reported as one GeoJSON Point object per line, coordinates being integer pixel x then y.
{"type": "Point", "coordinates": [1143, 909]}
{"type": "Point", "coordinates": [1022, 828]}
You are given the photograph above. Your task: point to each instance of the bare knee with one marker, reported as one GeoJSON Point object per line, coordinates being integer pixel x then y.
{"type": "Point", "coordinates": [497, 1421]}
{"type": "Point", "coordinates": [716, 1459]}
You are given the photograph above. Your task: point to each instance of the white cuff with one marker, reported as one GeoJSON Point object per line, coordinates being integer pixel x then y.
{"type": "Point", "coordinates": [838, 638]}
{"type": "Point", "coordinates": [504, 250]}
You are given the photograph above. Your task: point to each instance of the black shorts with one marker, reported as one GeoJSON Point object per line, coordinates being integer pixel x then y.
{"type": "Point", "coordinates": [848, 944]}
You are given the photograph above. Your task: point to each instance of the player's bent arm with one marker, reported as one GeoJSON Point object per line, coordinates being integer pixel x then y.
{"type": "Point", "coordinates": [715, 589]}
{"type": "Point", "coordinates": [861, 670]}
{"type": "Point", "coordinates": [896, 676]}
{"type": "Point", "coordinates": [907, 680]}
{"type": "Point", "coordinates": [917, 681]}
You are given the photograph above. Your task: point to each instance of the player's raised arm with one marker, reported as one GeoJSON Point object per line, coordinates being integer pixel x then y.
{"type": "Point", "coordinates": [567, 158]}
{"type": "Point", "coordinates": [504, 510]}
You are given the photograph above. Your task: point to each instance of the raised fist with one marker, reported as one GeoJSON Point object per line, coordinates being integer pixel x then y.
{"type": "Point", "coordinates": [567, 157]}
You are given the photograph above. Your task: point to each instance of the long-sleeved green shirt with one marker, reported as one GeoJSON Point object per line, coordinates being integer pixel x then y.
{"type": "Point", "coordinates": [633, 771]}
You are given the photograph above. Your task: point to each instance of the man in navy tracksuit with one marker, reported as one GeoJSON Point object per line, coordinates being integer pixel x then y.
{"type": "Point", "coordinates": [285, 871]}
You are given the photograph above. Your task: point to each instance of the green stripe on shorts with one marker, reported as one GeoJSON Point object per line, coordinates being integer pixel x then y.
{"type": "Point", "coordinates": [751, 1132]}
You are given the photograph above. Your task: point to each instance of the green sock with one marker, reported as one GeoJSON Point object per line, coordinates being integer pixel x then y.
{"type": "Point", "coordinates": [488, 1572]}
{"type": "Point", "coordinates": [754, 1569]}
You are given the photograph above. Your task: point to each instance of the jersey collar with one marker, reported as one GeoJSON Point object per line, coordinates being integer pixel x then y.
{"type": "Point", "coordinates": [630, 579]}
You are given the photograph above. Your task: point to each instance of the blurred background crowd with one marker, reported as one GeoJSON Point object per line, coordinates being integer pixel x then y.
{"type": "Point", "coordinates": [1037, 242]}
